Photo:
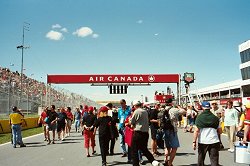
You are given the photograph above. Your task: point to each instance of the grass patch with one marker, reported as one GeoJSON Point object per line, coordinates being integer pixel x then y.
{"type": "Point", "coordinates": [25, 133]}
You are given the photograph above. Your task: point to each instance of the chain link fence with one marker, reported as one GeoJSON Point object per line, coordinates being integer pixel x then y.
{"type": "Point", "coordinates": [40, 96]}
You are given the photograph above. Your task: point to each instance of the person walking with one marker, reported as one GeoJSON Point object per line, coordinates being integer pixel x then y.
{"type": "Point", "coordinates": [169, 123]}
{"type": "Point", "coordinates": [88, 122]}
{"type": "Point", "coordinates": [207, 132]}
{"type": "Point", "coordinates": [246, 137]}
{"type": "Point", "coordinates": [51, 123]}
{"type": "Point", "coordinates": [15, 122]}
{"type": "Point", "coordinates": [217, 112]}
{"type": "Point", "coordinates": [104, 123]}
{"type": "Point", "coordinates": [123, 113]}
{"type": "Point", "coordinates": [61, 122]}
{"type": "Point", "coordinates": [69, 120]}
{"type": "Point", "coordinates": [114, 129]}
{"type": "Point", "coordinates": [140, 123]}
{"type": "Point", "coordinates": [41, 121]}
{"type": "Point", "coordinates": [77, 118]}
{"type": "Point", "coordinates": [231, 124]}
{"type": "Point", "coordinates": [154, 126]}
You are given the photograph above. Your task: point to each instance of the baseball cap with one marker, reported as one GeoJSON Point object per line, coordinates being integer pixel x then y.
{"type": "Point", "coordinates": [91, 108]}
{"type": "Point", "coordinates": [236, 103]}
{"type": "Point", "coordinates": [205, 104]}
{"type": "Point", "coordinates": [214, 102]}
{"type": "Point", "coordinates": [136, 102]}
{"type": "Point", "coordinates": [104, 109]}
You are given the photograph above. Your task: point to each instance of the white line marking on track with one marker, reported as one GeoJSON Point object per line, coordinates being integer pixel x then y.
{"type": "Point", "coordinates": [23, 139]}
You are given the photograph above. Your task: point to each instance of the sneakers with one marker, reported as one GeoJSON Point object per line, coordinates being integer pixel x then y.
{"type": "Point", "coordinates": [156, 163]}
{"type": "Point", "coordinates": [124, 155]}
{"type": "Point", "coordinates": [22, 145]}
{"type": "Point", "coordinates": [231, 150]}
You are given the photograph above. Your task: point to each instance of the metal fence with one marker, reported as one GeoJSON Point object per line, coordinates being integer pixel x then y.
{"type": "Point", "coordinates": [29, 102]}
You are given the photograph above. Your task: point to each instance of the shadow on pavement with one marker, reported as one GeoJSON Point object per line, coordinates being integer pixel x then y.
{"type": "Point", "coordinates": [31, 143]}
{"type": "Point", "coordinates": [72, 139]}
{"type": "Point", "coordinates": [184, 154]}
{"type": "Point", "coordinates": [195, 165]}
{"type": "Point", "coordinates": [34, 146]}
{"type": "Point", "coordinates": [68, 142]}
{"type": "Point", "coordinates": [117, 163]}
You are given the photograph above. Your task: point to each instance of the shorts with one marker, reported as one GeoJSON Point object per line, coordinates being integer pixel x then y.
{"type": "Point", "coordinates": [191, 121]}
{"type": "Point", "coordinates": [51, 127]}
{"type": "Point", "coordinates": [60, 127]}
{"type": "Point", "coordinates": [171, 139]}
{"type": "Point", "coordinates": [153, 132]}
{"type": "Point", "coordinates": [69, 121]}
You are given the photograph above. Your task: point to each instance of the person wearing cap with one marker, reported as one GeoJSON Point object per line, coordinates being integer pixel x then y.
{"type": "Point", "coordinates": [217, 112]}
{"type": "Point", "coordinates": [140, 123]}
{"type": "Point", "coordinates": [231, 124]}
{"type": "Point", "coordinates": [104, 123]}
{"type": "Point", "coordinates": [15, 122]}
{"type": "Point", "coordinates": [123, 112]}
{"type": "Point", "coordinates": [246, 137]}
{"type": "Point", "coordinates": [88, 122]}
{"type": "Point", "coordinates": [206, 131]}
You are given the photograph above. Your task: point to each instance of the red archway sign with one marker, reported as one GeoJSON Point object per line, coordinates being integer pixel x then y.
{"type": "Point", "coordinates": [112, 79]}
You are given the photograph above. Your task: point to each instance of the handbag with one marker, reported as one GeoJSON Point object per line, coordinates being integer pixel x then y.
{"type": "Point", "coordinates": [240, 134]}
{"type": "Point", "coordinates": [46, 120]}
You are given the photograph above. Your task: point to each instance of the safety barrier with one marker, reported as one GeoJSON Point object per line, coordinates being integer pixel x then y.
{"type": "Point", "coordinates": [27, 124]}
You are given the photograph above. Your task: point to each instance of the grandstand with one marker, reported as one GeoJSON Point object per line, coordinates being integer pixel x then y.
{"type": "Point", "coordinates": [34, 94]}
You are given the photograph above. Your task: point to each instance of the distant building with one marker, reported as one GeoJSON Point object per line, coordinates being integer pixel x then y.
{"type": "Point", "coordinates": [238, 90]}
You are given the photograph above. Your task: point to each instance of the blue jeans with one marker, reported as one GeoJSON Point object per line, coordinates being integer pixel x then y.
{"type": "Point", "coordinates": [122, 141]}
{"type": "Point", "coordinates": [77, 124]}
{"type": "Point", "coordinates": [16, 134]}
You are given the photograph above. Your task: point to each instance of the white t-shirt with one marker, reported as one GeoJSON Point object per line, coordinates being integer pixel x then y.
{"type": "Point", "coordinates": [208, 136]}
{"type": "Point", "coordinates": [110, 113]}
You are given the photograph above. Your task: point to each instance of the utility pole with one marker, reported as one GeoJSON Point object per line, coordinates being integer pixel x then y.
{"type": "Point", "coordinates": [25, 28]}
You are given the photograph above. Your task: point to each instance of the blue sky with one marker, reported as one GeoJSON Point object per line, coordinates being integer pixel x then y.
{"type": "Point", "coordinates": [126, 37]}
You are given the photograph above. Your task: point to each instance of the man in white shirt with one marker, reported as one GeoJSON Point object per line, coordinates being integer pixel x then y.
{"type": "Point", "coordinates": [207, 130]}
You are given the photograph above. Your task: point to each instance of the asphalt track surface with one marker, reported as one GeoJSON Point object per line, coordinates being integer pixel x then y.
{"type": "Point", "coordinates": [71, 152]}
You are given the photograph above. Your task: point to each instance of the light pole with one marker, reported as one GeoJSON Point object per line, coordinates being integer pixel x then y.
{"type": "Point", "coordinates": [141, 98]}
{"type": "Point", "coordinates": [9, 90]}
{"type": "Point", "coordinates": [25, 28]}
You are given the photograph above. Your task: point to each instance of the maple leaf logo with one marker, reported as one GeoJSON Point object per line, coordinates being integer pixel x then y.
{"type": "Point", "coordinates": [151, 78]}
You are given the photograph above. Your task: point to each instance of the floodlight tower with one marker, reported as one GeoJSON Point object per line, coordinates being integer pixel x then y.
{"type": "Point", "coordinates": [25, 28]}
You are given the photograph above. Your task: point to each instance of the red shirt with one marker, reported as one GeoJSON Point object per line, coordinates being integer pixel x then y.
{"type": "Point", "coordinates": [43, 116]}
{"type": "Point", "coordinates": [247, 121]}
{"type": "Point", "coordinates": [69, 115]}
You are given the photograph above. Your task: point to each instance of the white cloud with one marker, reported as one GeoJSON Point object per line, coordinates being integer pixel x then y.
{"type": "Point", "coordinates": [139, 21]}
{"type": "Point", "coordinates": [95, 35]}
{"type": "Point", "coordinates": [56, 26]}
{"type": "Point", "coordinates": [64, 30]}
{"type": "Point", "coordinates": [54, 35]}
{"type": "Point", "coordinates": [156, 34]}
{"type": "Point", "coordinates": [83, 32]}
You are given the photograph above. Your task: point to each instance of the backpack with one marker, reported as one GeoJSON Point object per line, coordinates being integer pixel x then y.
{"type": "Point", "coordinates": [165, 122]}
